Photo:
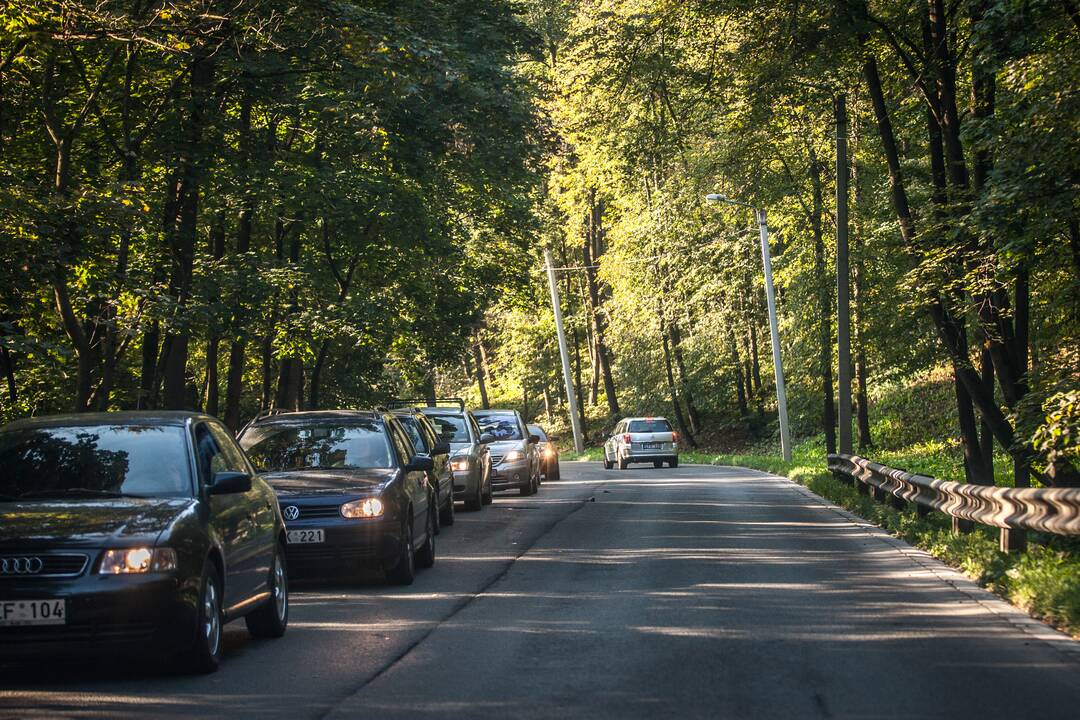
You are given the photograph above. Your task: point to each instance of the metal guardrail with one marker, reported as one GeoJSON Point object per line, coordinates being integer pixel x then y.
{"type": "Point", "coordinates": [1049, 510]}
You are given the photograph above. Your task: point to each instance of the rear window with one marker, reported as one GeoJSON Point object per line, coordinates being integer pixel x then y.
{"type": "Point", "coordinates": [83, 461]}
{"type": "Point", "coordinates": [275, 446]}
{"type": "Point", "coordinates": [538, 432]}
{"type": "Point", "coordinates": [653, 425]}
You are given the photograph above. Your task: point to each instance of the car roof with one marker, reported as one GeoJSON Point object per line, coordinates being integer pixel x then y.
{"type": "Point", "coordinates": [316, 415]}
{"type": "Point", "coordinates": [495, 411]}
{"type": "Point", "coordinates": [650, 417]}
{"type": "Point", "coordinates": [128, 417]}
{"type": "Point", "coordinates": [442, 411]}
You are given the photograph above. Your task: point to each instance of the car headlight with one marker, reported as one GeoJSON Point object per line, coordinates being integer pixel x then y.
{"type": "Point", "coordinates": [460, 464]}
{"type": "Point", "coordinates": [366, 508]}
{"type": "Point", "coordinates": [138, 560]}
{"type": "Point", "coordinates": [549, 452]}
{"type": "Point", "coordinates": [512, 455]}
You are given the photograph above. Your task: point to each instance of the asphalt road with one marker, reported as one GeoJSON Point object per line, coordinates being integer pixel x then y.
{"type": "Point", "coordinates": [696, 592]}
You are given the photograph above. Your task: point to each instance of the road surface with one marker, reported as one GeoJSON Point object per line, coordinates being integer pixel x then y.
{"type": "Point", "coordinates": [695, 592]}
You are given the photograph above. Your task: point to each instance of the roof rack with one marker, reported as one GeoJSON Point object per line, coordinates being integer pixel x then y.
{"type": "Point", "coordinates": [424, 402]}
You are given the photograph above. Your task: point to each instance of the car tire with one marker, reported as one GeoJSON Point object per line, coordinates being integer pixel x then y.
{"type": "Point", "coordinates": [425, 556]}
{"type": "Point", "coordinates": [476, 501]}
{"type": "Point", "coordinates": [674, 462]}
{"type": "Point", "coordinates": [204, 657]}
{"type": "Point", "coordinates": [658, 463]}
{"type": "Point", "coordinates": [623, 463]}
{"type": "Point", "coordinates": [434, 499]}
{"type": "Point", "coordinates": [557, 475]}
{"type": "Point", "coordinates": [272, 618]}
{"type": "Point", "coordinates": [446, 515]}
{"type": "Point", "coordinates": [607, 463]}
{"type": "Point", "coordinates": [404, 571]}
{"type": "Point", "coordinates": [487, 497]}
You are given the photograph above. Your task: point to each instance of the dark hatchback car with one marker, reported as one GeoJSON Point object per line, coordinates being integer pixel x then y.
{"type": "Point", "coordinates": [143, 530]}
{"type": "Point", "coordinates": [352, 489]}
{"type": "Point", "coordinates": [426, 441]}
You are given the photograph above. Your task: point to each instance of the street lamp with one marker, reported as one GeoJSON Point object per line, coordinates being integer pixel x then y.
{"type": "Point", "coordinates": [770, 300]}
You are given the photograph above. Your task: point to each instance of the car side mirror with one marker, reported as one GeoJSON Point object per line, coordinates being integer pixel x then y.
{"type": "Point", "coordinates": [441, 448]}
{"type": "Point", "coordinates": [420, 463]}
{"type": "Point", "coordinates": [487, 438]}
{"type": "Point", "coordinates": [533, 439]}
{"type": "Point", "coordinates": [230, 483]}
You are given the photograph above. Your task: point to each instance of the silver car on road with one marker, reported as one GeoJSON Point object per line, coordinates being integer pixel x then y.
{"type": "Point", "coordinates": [642, 439]}
{"type": "Point", "coordinates": [470, 462]}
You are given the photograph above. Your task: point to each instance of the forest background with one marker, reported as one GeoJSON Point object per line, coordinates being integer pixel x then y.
{"type": "Point", "coordinates": [263, 204]}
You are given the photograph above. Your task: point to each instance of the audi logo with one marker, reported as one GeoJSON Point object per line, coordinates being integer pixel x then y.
{"type": "Point", "coordinates": [291, 512]}
{"type": "Point", "coordinates": [21, 565]}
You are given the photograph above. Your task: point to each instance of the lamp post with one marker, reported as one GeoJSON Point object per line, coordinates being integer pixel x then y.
{"type": "Point", "coordinates": [774, 332]}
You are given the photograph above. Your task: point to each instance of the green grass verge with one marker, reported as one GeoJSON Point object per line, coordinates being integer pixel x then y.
{"type": "Point", "coordinates": [1044, 581]}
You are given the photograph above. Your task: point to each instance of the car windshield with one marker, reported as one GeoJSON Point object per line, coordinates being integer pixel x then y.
{"type": "Point", "coordinates": [275, 446]}
{"type": "Point", "coordinates": [451, 428]}
{"type": "Point", "coordinates": [650, 425]}
{"type": "Point", "coordinates": [538, 432]}
{"type": "Point", "coordinates": [501, 427]}
{"type": "Point", "coordinates": [95, 461]}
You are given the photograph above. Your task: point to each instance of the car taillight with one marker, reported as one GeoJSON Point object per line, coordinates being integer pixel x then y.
{"type": "Point", "coordinates": [626, 438]}
{"type": "Point", "coordinates": [674, 436]}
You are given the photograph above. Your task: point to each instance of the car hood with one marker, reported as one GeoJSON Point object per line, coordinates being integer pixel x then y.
{"type": "Point", "coordinates": [329, 481]}
{"type": "Point", "coordinates": [88, 522]}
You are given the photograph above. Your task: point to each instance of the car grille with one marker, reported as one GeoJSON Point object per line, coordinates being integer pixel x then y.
{"type": "Point", "coordinates": [312, 512]}
{"type": "Point", "coordinates": [31, 565]}
{"type": "Point", "coordinates": [496, 459]}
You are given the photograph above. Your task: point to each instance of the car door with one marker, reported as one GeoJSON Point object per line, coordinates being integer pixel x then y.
{"type": "Point", "coordinates": [228, 514]}
{"type": "Point", "coordinates": [415, 483]}
{"type": "Point", "coordinates": [258, 529]}
{"type": "Point", "coordinates": [483, 456]}
{"type": "Point", "coordinates": [442, 474]}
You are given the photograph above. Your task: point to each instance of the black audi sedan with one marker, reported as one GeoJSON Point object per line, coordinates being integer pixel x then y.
{"type": "Point", "coordinates": [143, 530]}
{"type": "Point", "coordinates": [352, 489]}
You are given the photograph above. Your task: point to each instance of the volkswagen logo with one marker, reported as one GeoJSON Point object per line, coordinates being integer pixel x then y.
{"type": "Point", "coordinates": [291, 512]}
{"type": "Point", "coordinates": [21, 565]}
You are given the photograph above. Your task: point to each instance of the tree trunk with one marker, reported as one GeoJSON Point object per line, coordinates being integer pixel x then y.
{"type": "Point", "coordinates": [479, 357]}
{"type": "Point", "coordinates": [676, 350]}
{"type": "Point", "coordinates": [234, 382]}
{"type": "Point", "coordinates": [740, 391]}
{"type": "Point", "coordinates": [672, 392]}
{"type": "Point", "coordinates": [591, 254]}
{"type": "Point", "coordinates": [754, 361]}
{"type": "Point", "coordinates": [828, 408]}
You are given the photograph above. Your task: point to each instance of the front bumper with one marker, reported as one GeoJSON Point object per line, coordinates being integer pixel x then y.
{"type": "Point", "coordinates": [148, 613]}
{"type": "Point", "coordinates": [510, 475]}
{"type": "Point", "coordinates": [347, 543]}
{"type": "Point", "coordinates": [465, 481]}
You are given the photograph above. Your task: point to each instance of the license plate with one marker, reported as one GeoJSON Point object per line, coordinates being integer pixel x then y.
{"type": "Point", "coordinates": [650, 446]}
{"type": "Point", "coordinates": [297, 537]}
{"type": "Point", "coordinates": [33, 612]}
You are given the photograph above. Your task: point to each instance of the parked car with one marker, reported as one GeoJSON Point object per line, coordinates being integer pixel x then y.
{"type": "Point", "coordinates": [549, 453]}
{"type": "Point", "coordinates": [426, 440]}
{"type": "Point", "coordinates": [352, 489]}
{"type": "Point", "coordinates": [514, 460]}
{"type": "Point", "coordinates": [642, 439]}
{"type": "Point", "coordinates": [470, 461]}
{"type": "Point", "coordinates": [145, 530]}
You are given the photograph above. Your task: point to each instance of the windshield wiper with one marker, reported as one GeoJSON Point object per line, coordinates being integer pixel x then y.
{"type": "Point", "coordinates": [75, 492]}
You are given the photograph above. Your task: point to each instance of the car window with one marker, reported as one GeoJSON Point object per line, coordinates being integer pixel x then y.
{"type": "Point", "coordinates": [149, 460]}
{"type": "Point", "coordinates": [401, 443]}
{"type": "Point", "coordinates": [501, 427]}
{"type": "Point", "coordinates": [210, 457]}
{"type": "Point", "coordinates": [539, 432]}
{"type": "Point", "coordinates": [451, 428]}
{"type": "Point", "coordinates": [650, 425]}
{"type": "Point", "coordinates": [475, 427]}
{"type": "Point", "coordinates": [431, 438]}
{"type": "Point", "coordinates": [411, 426]}
{"type": "Point", "coordinates": [232, 458]}
{"type": "Point", "coordinates": [277, 446]}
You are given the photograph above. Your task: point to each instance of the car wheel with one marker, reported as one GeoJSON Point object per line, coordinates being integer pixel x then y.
{"type": "Point", "coordinates": [658, 463]}
{"type": "Point", "coordinates": [446, 515]}
{"type": "Point", "coordinates": [607, 463]}
{"type": "Point", "coordinates": [476, 502]}
{"type": "Point", "coordinates": [271, 619]}
{"type": "Point", "coordinates": [623, 463]}
{"type": "Point", "coordinates": [674, 462]}
{"type": "Point", "coordinates": [557, 475]}
{"type": "Point", "coordinates": [425, 556]}
{"type": "Point", "coordinates": [487, 495]}
{"type": "Point", "coordinates": [205, 655]}
{"type": "Point", "coordinates": [404, 571]}
{"type": "Point", "coordinates": [434, 499]}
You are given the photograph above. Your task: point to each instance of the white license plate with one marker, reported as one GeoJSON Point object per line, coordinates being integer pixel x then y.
{"type": "Point", "coordinates": [650, 446]}
{"type": "Point", "coordinates": [33, 612]}
{"type": "Point", "coordinates": [297, 537]}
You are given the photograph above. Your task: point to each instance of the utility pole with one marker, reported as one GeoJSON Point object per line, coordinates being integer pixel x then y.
{"type": "Point", "coordinates": [843, 300]}
{"type": "Point", "coordinates": [774, 331]}
{"type": "Point", "coordinates": [564, 353]}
